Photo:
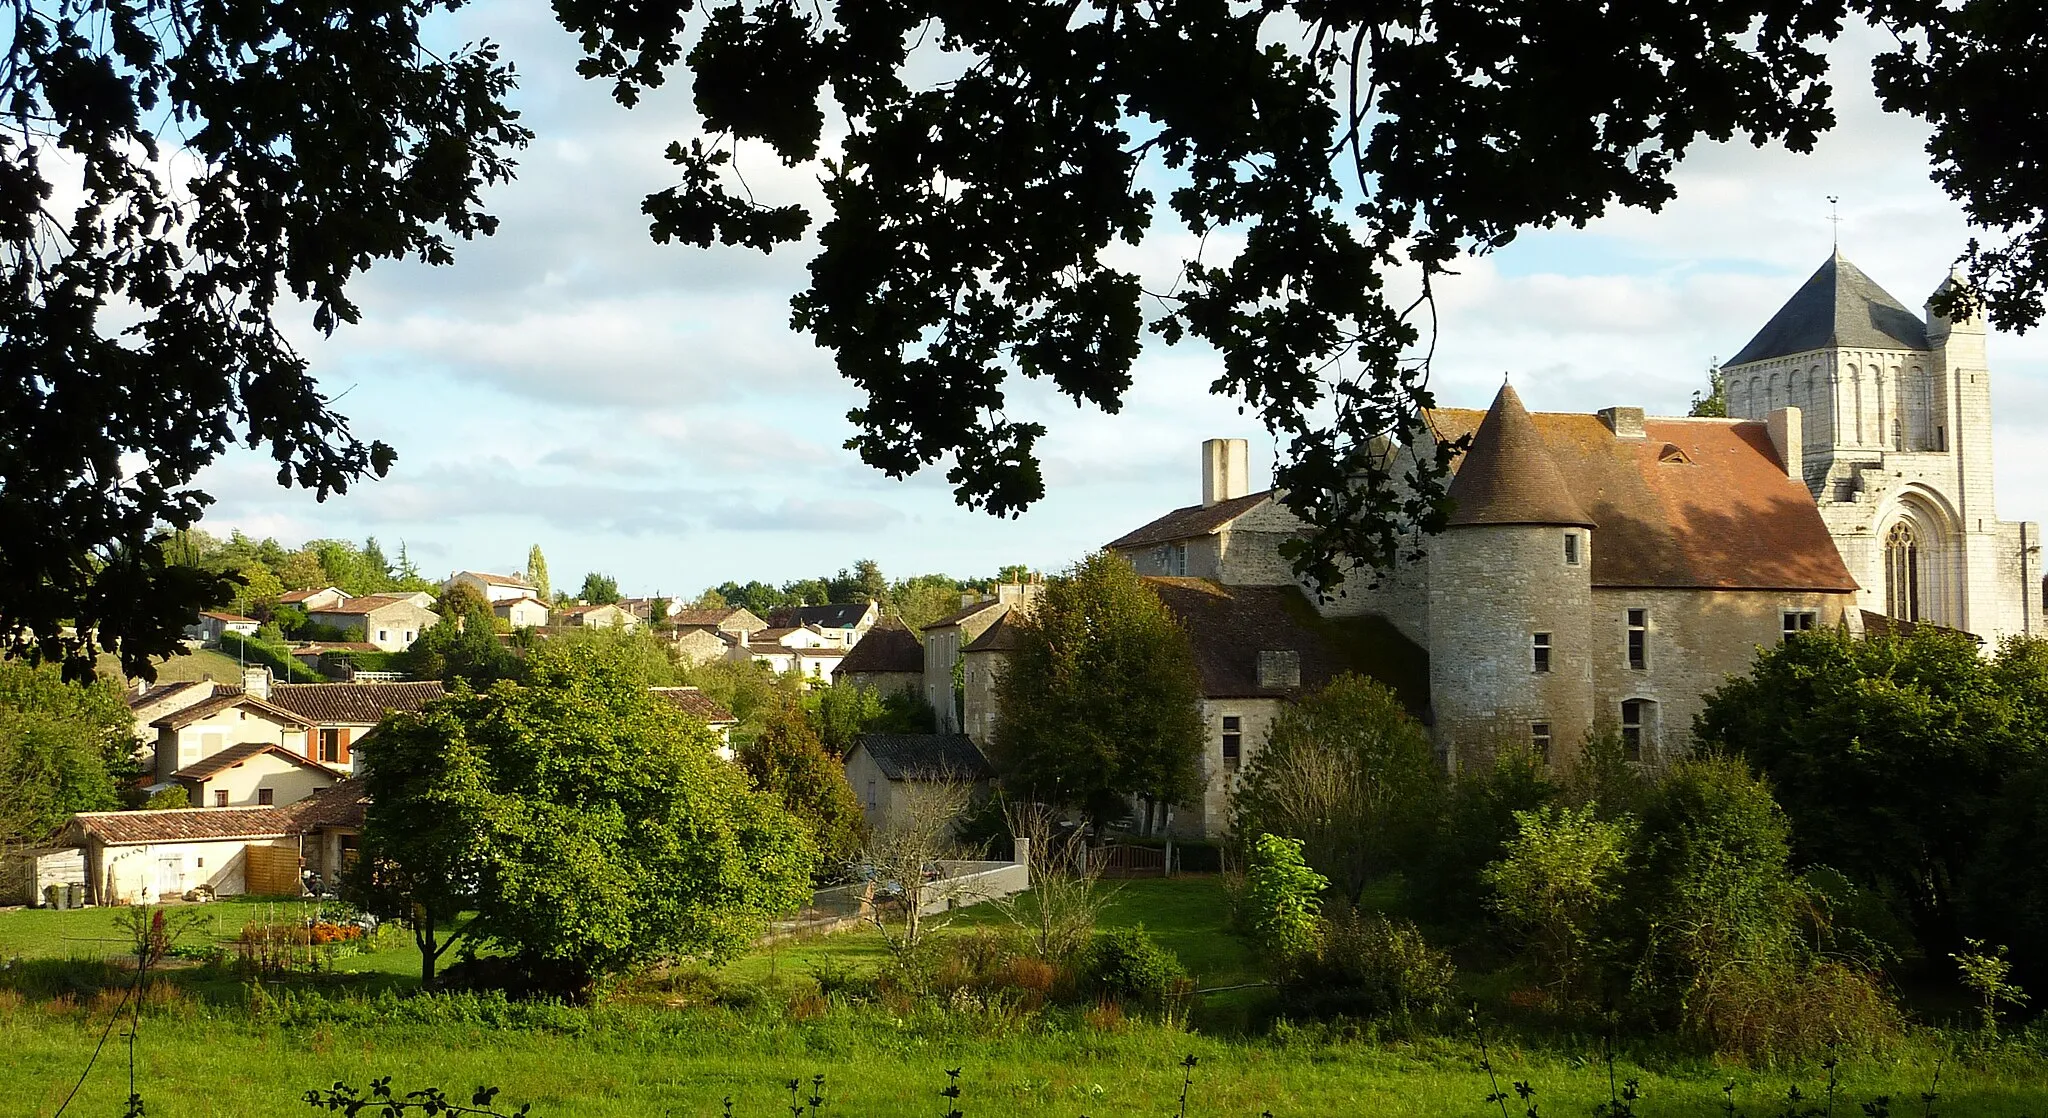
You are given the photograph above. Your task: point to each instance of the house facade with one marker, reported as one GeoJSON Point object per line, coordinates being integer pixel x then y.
{"type": "Point", "coordinates": [945, 645]}
{"type": "Point", "coordinates": [494, 588]}
{"type": "Point", "coordinates": [310, 600]}
{"type": "Point", "coordinates": [603, 616]}
{"type": "Point", "coordinates": [843, 625]}
{"type": "Point", "coordinates": [189, 736]}
{"type": "Point", "coordinates": [889, 659]}
{"type": "Point", "coordinates": [389, 621]}
{"type": "Point", "coordinates": [211, 625]}
{"type": "Point", "coordinates": [521, 613]}
{"type": "Point", "coordinates": [886, 770]}
{"type": "Point", "coordinates": [254, 774]}
{"type": "Point", "coordinates": [339, 716]}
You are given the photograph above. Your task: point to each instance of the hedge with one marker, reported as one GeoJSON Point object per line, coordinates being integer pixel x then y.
{"type": "Point", "coordinates": [278, 660]}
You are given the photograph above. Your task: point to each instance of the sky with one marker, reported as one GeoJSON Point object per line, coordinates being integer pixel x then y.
{"type": "Point", "coordinates": [646, 411]}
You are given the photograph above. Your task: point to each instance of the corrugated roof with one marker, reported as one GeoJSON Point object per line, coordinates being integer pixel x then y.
{"type": "Point", "coordinates": [697, 704]}
{"type": "Point", "coordinates": [1507, 476]}
{"type": "Point", "coordinates": [354, 704]}
{"type": "Point", "coordinates": [1189, 522]}
{"type": "Point", "coordinates": [1727, 517]}
{"type": "Point", "coordinates": [206, 768]}
{"type": "Point", "coordinates": [888, 647]}
{"type": "Point", "coordinates": [1838, 306]}
{"type": "Point", "coordinates": [926, 756]}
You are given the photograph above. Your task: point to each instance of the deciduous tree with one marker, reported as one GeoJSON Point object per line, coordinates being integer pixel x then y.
{"type": "Point", "coordinates": [1100, 701]}
{"type": "Point", "coordinates": [588, 825]}
{"type": "Point", "coordinates": [63, 747]}
{"type": "Point", "coordinates": [787, 761]}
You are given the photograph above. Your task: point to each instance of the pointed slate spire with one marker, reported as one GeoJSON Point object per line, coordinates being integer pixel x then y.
{"type": "Point", "coordinates": [1838, 307]}
{"type": "Point", "coordinates": [1508, 476]}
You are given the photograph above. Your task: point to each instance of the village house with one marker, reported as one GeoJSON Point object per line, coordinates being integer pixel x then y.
{"type": "Point", "coordinates": [340, 715]}
{"type": "Point", "coordinates": [310, 600]}
{"type": "Point", "coordinates": [885, 770]}
{"type": "Point", "coordinates": [525, 612]}
{"type": "Point", "coordinates": [699, 644]}
{"type": "Point", "coordinates": [601, 616]}
{"type": "Point", "coordinates": [705, 709]}
{"type": "Point", "coordinates": [889, 659]}
{"type": "Point", "coordinates": [734, 620]}
{"type": "Point", "coordinates": [389, 621]}
{"type": "Point", "coordinates": [946, 640]}
{"type": "Point", "coordinates": [253, 774]}
{"type": "Point", "coordinates": [151, 702]}
{"type": "Point", "coordinates": [191, 735]}
{"type": "Point", "coordinates": [494, 588]}
{"type": "Point", "coordinates": [844, 625]}
{"type": "Point", "coordinates": [211, 625]}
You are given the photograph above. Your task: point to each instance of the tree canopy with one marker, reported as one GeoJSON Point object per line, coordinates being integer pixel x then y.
{"type": "Point", "coordinates": [589, 825]}
{"type": "Point", "coordinates": [63, 748]}
{"type": "Point", "coordinates": [1333, 160]}
{"type": "Point", "coordinates": [1100, 701]}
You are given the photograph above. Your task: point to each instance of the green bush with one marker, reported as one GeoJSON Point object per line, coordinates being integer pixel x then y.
{"type": "Point", "coordinates": [1128, 963]}
{"type": "Point", "coordinates": [1367, 965]}
{"type": "Point", "coordinates": [1555, 881]}
{"type": "Point", "coordinates": [1476, 828]}
{"type": "Point", "coordinates": [1281, 899]}
{"type": "Point", "coordinates": [273, 656]}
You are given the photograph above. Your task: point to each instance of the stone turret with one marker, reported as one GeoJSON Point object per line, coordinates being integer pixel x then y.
{"type": "Point", "coordinates": [1510, 598]}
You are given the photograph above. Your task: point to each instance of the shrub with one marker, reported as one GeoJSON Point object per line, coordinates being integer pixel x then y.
{"type": "Point", "coordinates": [1281, 899]}
{"type": "Point", "coordinates": [1477, 826]}
{"type": "Point", "coordinates": [168, 799]}
{"type": "Point", "coordinates": [1558, 876]}
{"type": "Point", "coordinates": [1129, 963]}
{"type": "Point", "coordinates": [1369, 966]}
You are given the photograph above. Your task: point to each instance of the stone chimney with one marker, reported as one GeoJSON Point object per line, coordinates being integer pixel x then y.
{"type": "Point", "coordinates": [1279, 669]}
{"type": "Point", "coordinates": [256, 683]}
{"type": "Point", "coordinates": [1626, 423]}
{"type": "Point", "coordinates": [1226, 472]}
{"type": "Point", "coordinates": [1786, 439]}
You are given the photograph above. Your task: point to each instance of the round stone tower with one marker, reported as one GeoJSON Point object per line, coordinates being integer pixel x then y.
{"type": "Point", "coordinates": [1510, 600]}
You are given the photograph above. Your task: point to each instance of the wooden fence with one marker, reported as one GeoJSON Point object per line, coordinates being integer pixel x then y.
{"type": "Point", "coordinates": [272, 871]}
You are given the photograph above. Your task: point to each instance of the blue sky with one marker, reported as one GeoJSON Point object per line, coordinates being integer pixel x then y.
{"type": "Point", "coordinates": [645, 410]}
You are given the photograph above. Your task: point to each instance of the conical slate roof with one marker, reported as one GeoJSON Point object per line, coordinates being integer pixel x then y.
{"type": "Point", "coordinates": [1508, 475]}
{"type": "Point", "coordinates": [1838, 307]}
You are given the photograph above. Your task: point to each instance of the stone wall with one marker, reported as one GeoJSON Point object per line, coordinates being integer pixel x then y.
{"type": "Point", "coordinates": [980, 684]}
{"type": "Point", "coordinates": [1209, 816]}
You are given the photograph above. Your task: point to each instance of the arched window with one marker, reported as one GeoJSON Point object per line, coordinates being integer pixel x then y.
{"type": "Point", "coordinates": [1756, 395]}
{"type": "Point", "coordinates": [1902, 573]}
{"type": "Point", "coordinates": [1770, 393]}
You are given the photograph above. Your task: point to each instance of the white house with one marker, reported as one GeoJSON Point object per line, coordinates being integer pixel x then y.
{"type": "Point", "coordinates": [211, 624]}
{"type": "Point", "coordinates": [389, 621]}
{"type": "Point", "coordinates": [254, 774]}
{"type": "Point", "coordinates": [494, 588]}
{"type": "Point", "coordinates": [522, 613]}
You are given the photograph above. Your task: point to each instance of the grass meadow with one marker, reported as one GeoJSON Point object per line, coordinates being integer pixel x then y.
{"type": "Point", "coordinates": [680, 1044]}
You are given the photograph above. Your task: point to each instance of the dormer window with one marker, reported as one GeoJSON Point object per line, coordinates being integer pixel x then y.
{"type": "Point", "coordinates": [1672, 455]}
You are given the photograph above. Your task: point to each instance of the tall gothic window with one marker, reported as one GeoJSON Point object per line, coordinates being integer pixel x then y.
{"type": "Point", "coordinates": [1902, 573]}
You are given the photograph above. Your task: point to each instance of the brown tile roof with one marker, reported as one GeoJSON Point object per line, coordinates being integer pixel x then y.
{"type": "Point", "coordinates": [187, 824]}
{"type": "Point", "coordinates": [999, 637]}
{"type": "Point", "coordinates": [161, 692]}
{"type": "Point", "coordinates": [235, 618]}
{"type": "Point", "coordinates": [339, 806]}
{"type": "Point", "coordinates": [206, 768]}
{"type": "Point", "coordinates": [1883, 625]}
{"type": "Point", "coordinates": [368, 603]}
{"type": "Point", "coordinates": [222, 702]}
{"type": "Point", "coordinates": [965, 612]}
{"type": "Point", "coordinates": [694, 702]}
{"type": "Point", "coordinates": [1230, 625]}
{"type": "Point", "coordinates": [1189, 522]}
{"type": "Point", "coordinates": [716, 617]}
{"type": "Point", "coordinates": [1507, 476]}
{"type": "Point", "coordinates": [302, 595]}
{"type": "Point", "coordinates": [498, 580]}
{"type": "Point", "coordinates": [775, 635]}
{"type": "Point", "coordinates": [888, 647]}
{"type": "Point", "coordinates": [1726, 517]}
{"type": "Point", "coordinates": [356, 704]}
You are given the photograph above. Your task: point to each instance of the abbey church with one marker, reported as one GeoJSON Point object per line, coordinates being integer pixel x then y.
{"type": "Point", "coordinates": [1602, 572]}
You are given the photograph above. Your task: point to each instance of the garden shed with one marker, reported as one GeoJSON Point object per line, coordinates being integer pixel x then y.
{"type": "Point", "coordinates": [140, 857]}
{"type": "Point", "coordinates": [24, 873]}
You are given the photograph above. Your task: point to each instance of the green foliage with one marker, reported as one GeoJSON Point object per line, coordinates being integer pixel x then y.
{"type": "Point", "coordinates": [168, 799]}
{"type": "Point", "coordinates": [1712, 404]}
{"type": "Point", "coordinates": [1890, 754]}
{"type": "Point", "coordinates": [844, 711]}
{"type": "Point", "coordinates": [599, 589]}
{"type": "Point", "coordinates": [749, 690]}
{"type": "Point", "coordinates": [537, 573]}
{"type": "Point", "coordinates": [1479, 821]}
{"type": "Point", "coordinates": [1366, 965]}
{"type": "Point", "coordinates": [463, 645]}
{"type": "Point", "coordinates": [923, 599]}
{"type": "Point", "coordinates": [257, 652]}
{"type": "Point", "coordinates": [642, 647]}
{"type": "Point", "coordinates": [1554, 883]}
{"type": "Point", "coordinates": [588, 825]}
{"type": "Point", "coordinates": [1989, 977]}
{"type": "Point", "coordinates": [1129, 963]}
{"type": "Point", "coordinates": [788, 762]}
{"type": "Point", "coordinates": [63, 748]}
{"type": "Point", "coordinates": [1282, 899]}
{"type": "Point", "coordinates": [1100, 701]}
{"type": "Point", "coordinates": [1348, 773]}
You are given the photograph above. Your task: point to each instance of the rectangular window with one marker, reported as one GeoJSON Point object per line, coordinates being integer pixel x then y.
{"type": "Point", "coordinates": [383, 635]}
{"type": "Point", "coordinates": [330, 747]}
{"type": "Point", "coordinates": [1800, 621]}
{"type": "Point", "coordinates": [1539, 739]}
{"type": "Point", "coordinates": [266, 797]}
{"type": "Point", "coordinates": [1639, 638]}
{"type": "Point", "coordinates": [1571, 549]}
{"type": "Point", "coordinates": [1632, 729]}
{"type": "Point", "coordinates": [1539, 652]}
{"type": "Point", "coordinates": [220, 797]}
{"type": "Point", "coordinates": [871, 793]}
{"type": "Point", "coordinates": [1177, 560]}
{"type": "Point", "coordinates": [1233, 742]}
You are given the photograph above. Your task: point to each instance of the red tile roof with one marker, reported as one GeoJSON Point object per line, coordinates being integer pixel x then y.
{"type": "Point", "coordinates": [1189, 522]}
{"type": "Point", "coordinates": [302, 595]}
{"type": "Point", "coordinates": [1725, 517]}
{"type": "Point", "coordinates": [218, 703]}
{"type": "Point", "coordinates": [231, 618]}
{"type": "Point", "coordinates": [1507, 475]}
{"type": "Point", "coordinates": [188, 824]}
{"type": "Point", "coordinates": [716, 617]}
{"type": "Point", "coordinates": [498, 580]}
{"type": "Point", "coordinates": [368, 603]}
{"type": "Point", "coordinates": [353, 704]}
{"type": "Point", "coordinates": [206, 768]}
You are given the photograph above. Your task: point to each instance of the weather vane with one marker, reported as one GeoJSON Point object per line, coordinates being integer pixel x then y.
{"type": "Point", "coordinates": [1835, 218]}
